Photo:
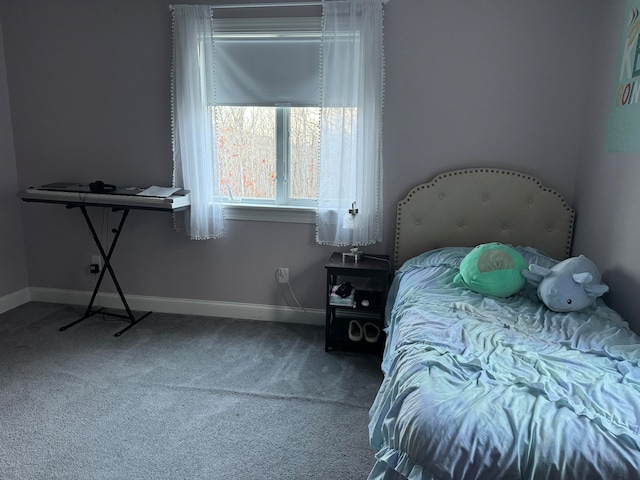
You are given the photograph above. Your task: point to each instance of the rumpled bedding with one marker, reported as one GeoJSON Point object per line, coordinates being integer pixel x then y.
{"type": "Point", "coordinates": [478, 387]}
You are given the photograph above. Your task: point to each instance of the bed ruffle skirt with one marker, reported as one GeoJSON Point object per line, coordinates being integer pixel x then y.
{"type": "Point", "coordinates": [395, 465]}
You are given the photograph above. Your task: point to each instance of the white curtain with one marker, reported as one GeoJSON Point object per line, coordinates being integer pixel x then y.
{"type": "Point", "coordinates": [351, 141]}
{"type": "Point", "coordinates": [195, 163]}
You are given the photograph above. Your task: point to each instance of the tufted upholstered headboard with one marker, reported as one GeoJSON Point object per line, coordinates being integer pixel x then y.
{"type": "Point", "coordinates": [480, 205]}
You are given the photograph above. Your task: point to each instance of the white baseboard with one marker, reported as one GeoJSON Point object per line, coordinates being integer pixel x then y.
{"type": "Point", "coordinates": [182, 306]}
{"type": "Point", "coordinates": [15, 299]}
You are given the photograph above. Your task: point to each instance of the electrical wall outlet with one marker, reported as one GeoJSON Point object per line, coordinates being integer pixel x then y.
{"type": "Point", "coordinates": [282, 275]}
{"type": "Point", "coordinates": [97, 261]}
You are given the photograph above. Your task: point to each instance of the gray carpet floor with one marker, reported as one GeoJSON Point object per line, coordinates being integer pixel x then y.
{"type": "Point", "coordinates": [178, 397]}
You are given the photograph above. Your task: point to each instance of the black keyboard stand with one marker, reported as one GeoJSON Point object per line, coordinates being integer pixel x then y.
{"type": "Point", "coordinates": [118, 203]}
{"type": "Point", "coordinates": [106, 257]}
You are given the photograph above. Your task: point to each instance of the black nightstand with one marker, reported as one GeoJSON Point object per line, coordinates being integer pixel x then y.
{"type": "Point", "coordinates": [369, 277]}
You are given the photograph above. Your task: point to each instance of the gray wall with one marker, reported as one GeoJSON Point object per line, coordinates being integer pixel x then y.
{"type": "Point", "coordinates": [607, 193]}
{"type": "Point", "coordinates": [13, 266]}
{"type": "Point", "coordinates": [495, 83]}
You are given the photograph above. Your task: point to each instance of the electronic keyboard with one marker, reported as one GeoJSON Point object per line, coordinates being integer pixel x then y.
{"type": "Point", "coordinates": [178, 200]}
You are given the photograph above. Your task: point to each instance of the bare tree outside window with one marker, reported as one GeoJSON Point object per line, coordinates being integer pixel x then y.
{"type": "Point", "coordinates": [305, 149]}
{"type": "Point", "coordinates": [248, 155]}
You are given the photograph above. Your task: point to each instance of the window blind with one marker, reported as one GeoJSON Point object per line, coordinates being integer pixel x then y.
{"type": "Point", "coordinates": [264, 62]}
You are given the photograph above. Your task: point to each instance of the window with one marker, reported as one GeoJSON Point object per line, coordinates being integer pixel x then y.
{"type": "Point", "coordinates": [257, 82]}
{"type": "Point", "coordinates": [267, 112]}
{"type": "Point", "coordinates": [268, 155]}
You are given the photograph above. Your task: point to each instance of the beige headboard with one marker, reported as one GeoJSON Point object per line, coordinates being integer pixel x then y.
{"type": "Point", "coordinates": [480, 205]}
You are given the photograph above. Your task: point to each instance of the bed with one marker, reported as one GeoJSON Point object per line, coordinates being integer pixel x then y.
{"type": "Point", "coordinates": [479, 387]}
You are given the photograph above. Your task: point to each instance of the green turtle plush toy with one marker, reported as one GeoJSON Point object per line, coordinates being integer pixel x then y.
{"type": "Point", "coordinates": [492, 269]}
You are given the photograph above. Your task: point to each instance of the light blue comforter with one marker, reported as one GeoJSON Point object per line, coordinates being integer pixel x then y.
{"type": "Point", "coordinates": [480, 387]}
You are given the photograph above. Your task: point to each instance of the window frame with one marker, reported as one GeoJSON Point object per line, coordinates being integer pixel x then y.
{"type": "Point", "coordinates": [283, 207]}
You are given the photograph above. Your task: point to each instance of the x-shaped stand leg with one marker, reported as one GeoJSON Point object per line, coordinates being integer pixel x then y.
{"type": "Point", "coordinates": [106, 257]}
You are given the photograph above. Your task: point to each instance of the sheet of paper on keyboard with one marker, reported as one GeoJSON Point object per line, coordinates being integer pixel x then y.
{"type": "Point", "coordinates": [158, 191]}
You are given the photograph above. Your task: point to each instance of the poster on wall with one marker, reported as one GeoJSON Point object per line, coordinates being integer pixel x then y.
{"type": "Point", "coordinates": [623, 130]}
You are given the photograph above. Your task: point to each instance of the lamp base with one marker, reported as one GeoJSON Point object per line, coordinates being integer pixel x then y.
{"type": "Point", "coordinates": [353, 254]}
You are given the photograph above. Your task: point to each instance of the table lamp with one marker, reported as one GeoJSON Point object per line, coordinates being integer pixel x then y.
{"type": "Point", "coordinates": [350, 222]}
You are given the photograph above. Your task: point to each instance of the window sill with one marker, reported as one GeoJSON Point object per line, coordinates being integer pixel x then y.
{"type": "Point", "coordinates": [269, 213]}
